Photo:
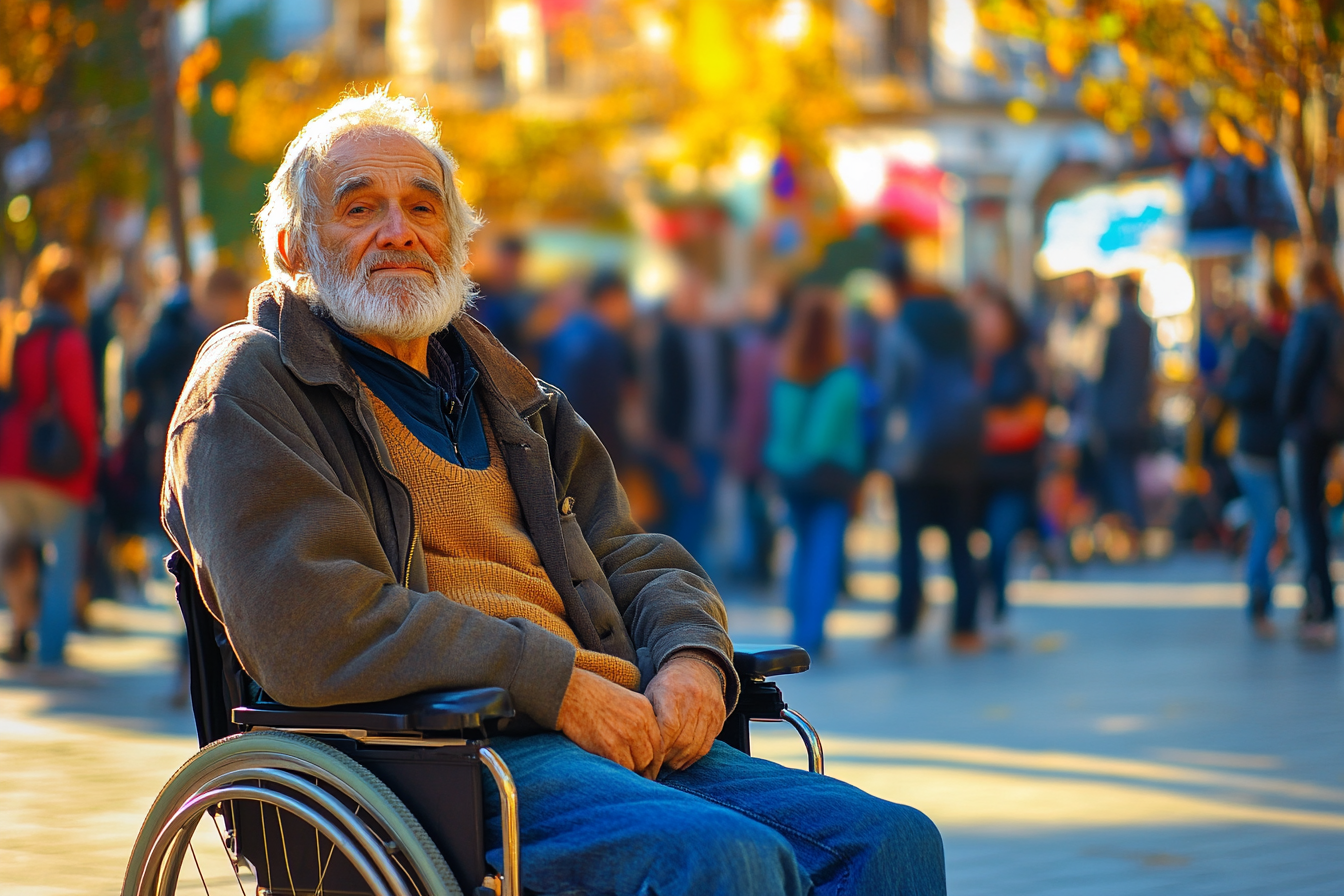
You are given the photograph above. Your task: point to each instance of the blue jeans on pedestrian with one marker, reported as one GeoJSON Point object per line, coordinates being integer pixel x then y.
{"type": "Point", "coordinates": [729, 824]}
{"type": "Point", "coordinates": [61, 563]}
{"type": "Point", "coordinates": [1258, 479]}
{"type": "Point", "coordinates": [1007, 512]}
{"type": "Point", "coordinates": [818, 554]}
{"type": "Point", "coordinates": [687, 514]}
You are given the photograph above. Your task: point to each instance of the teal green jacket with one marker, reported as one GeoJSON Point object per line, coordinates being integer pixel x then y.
{"type": "Point", "coordinates": [812, 425]}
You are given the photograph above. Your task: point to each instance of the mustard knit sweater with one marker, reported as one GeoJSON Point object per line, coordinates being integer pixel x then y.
{"type": "Point", "coordinates": [476, 546]}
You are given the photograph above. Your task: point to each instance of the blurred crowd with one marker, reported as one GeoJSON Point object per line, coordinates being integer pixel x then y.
{"type": "Point", "coordinates": [756, 427]}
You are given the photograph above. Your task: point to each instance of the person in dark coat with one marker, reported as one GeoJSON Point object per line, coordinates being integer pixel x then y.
{"type": "Point", "coordinates": [689, 399]}
{"type": "Point", "coordinates": [1122, 397]}
{"type": "Point", "coordinates": [931, 446]}
{"type": "Point", "coordinates": [590, 360]}
{"type": "Point", "coordinates": [1014, 429]}
{"type": "Point", "coordinates": [184, 323]}
{"type": "Point", "coordinates": [1250, 390]}
{"type": "Point", "coordinates": [1309, 398]}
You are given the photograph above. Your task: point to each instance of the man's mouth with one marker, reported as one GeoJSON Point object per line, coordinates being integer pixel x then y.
{"type": "Point", "coordinates": [399, 267]}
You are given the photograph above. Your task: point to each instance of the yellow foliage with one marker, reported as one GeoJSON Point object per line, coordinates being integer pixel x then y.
{"type": "Point", "coordinates": [1020, 111]}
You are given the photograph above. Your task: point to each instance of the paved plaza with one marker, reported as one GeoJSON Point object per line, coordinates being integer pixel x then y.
{"type": "Point", "coordinates": [1135, 740]}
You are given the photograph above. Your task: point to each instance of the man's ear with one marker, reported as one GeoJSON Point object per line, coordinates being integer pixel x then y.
{"type": "Point", "coordinates": [289, 252]}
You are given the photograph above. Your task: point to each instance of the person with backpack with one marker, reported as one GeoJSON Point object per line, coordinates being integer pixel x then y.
{"type": "Point", "coordinates": [1309, 398]}
{"type": "Point", "coordinates": [815, 450]}
{"type": "Point", "coordinates": [48, 454]}
{"type": "Point", "coordinates": [1255, 463]}
{"type": "Point", "coordinates": [931, 445]}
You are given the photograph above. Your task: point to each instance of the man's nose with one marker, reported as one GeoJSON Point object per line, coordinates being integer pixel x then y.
{"type": "Point", "coordinates": [396, 232]}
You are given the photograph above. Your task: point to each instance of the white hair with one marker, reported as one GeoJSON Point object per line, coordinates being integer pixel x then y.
{"type": "Point", "coordinates": [291, 196]}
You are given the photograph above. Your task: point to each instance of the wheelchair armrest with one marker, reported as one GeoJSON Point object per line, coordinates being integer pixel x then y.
{"type": "Point", "coordinates": [758, 661]}
{"type": "Point", "coordinates": [429, 711]}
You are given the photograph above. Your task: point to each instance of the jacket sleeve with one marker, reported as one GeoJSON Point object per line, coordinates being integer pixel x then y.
{"type": "Point", "coordinates": [1250, 384]}
{"type": "Point", "coordinates": [293, 567]}
{"type": "Point", "coordinates": [666, 599]}
{"type": "Point", "coordinates": [1297, 364]}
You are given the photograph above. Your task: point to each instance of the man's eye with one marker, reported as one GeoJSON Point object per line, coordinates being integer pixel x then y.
{"type": "Point", "coordinates": [357, 209]}
{"type": "Point", "coordinates": [423, 208]}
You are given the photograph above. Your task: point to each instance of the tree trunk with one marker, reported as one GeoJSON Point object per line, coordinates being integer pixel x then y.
{"type": "Point", "coordinates": [157, 19]}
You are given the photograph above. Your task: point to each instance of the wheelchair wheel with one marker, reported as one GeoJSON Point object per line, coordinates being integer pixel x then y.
{"type": "Point", "coordinates": [290, 815]}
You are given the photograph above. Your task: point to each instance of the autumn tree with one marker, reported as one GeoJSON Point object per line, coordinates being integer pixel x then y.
{"type": "Point", "coordinates": [1266, 77]}
{"type": "Point", "coordinates": [682, 83]}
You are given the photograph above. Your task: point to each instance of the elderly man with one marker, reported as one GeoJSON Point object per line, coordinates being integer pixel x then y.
{"type": "Point", "coordinates": [378, 499]}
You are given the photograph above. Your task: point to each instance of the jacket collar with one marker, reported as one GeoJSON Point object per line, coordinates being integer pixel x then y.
{"type": "Point", "coordinates": [311, 351]}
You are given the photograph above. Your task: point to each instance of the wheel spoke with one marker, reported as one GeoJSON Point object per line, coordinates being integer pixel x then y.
{"type": "Point", "coordinates": [232, 859]}
{"type": "Point", "coordinates": [284, 847]}
{"type": "Point", "coordinates": [197, 862]}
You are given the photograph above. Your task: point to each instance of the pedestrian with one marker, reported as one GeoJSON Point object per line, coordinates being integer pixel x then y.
{"type": "Point", "coordinates": [48, 454]}
{"type": "Point", "coordinates": [183, 324]}
{"type": "Point", "coordinates": [691, 393]}
{"type": "Point", "coordinates": [815, 449]}
{"type": "Point", "coordinates": [589, 358]}
{"type": "Point", "coordinates": [756, 349]}
{"type": "Point", "coordinates": [931, 446]}
{"type": "Point", "coordinates": [1250, 391]}
{"type": "Point", "coordinates": [1015, 411]}
{"type": "Point", "coordinates": [1120, 409]}
{"type": "Point", "coordinates": [1309, 398]}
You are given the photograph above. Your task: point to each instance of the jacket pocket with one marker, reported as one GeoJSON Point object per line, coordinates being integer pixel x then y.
{"type": "Point", "coordinates": [594, 589]}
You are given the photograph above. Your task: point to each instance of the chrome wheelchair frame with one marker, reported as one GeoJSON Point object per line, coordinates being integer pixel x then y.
{"type": "Point", "coordinates": [375, 780]}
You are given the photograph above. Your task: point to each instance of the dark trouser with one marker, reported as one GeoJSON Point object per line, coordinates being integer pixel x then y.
{"type": "Point", "coordinates": [1304, 474]}
{"type": "Point", "coordinates": [1008, 510]}
{"type": "Point", "coordinates": [1120, 468]}
{"type": "Point", "coordinates": [950, 508]}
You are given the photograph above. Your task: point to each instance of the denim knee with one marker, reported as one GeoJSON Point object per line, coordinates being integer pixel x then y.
{"type": "Point", "coordinates": [726, 854]}
{"type": "Point", "coordinates": [912, 852]}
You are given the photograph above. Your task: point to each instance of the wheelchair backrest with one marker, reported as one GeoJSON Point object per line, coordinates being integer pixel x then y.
{"type": "Point", "coordinates": [218, 682]}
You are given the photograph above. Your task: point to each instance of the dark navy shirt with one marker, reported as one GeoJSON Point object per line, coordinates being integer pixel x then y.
{"type": "Point", "coordinates": [440, 409]}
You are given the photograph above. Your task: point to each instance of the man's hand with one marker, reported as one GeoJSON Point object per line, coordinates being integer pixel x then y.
{"type": "Point", "coordinates": [687, 699]}
{"type": "Point", "coordinates": [612, 722]}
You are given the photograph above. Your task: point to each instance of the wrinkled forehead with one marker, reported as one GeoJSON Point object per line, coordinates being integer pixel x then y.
{"type": "Point", "coordinates": [390, 161]}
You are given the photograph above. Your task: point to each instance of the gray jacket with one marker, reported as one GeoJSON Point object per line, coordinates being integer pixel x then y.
{"type": "Point", "coordinates": [280, 492]}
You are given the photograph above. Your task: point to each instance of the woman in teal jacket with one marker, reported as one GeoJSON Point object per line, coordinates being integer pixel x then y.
{"type": "Point", "coordinates": [815, 449]}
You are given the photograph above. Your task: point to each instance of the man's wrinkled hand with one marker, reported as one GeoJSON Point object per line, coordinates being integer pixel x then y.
{"type": "Point", "coordinates": [687, 699]}
{"type": "Point", "coordinates": [612, 722]}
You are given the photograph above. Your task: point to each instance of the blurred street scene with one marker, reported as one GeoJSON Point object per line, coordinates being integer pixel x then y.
{"type": "Point", "coordinates": [993, 350]}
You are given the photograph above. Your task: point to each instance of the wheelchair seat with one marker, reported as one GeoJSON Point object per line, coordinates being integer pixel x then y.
{"type": "Point", "coordinates": [377, 798]}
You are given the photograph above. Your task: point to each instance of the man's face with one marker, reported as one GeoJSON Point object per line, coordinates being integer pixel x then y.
{"type": "Point", "coordinates": [382, 252]}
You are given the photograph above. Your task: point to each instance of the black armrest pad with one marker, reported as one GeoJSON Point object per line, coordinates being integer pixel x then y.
{"type": "Point", "coordinates": [765, 660]}
{"type": "Point", "coordinates": [429, 711]}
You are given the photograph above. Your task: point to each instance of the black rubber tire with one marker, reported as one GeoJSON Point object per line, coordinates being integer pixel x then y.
{"type": "Point", "coordinates": [294, 752]}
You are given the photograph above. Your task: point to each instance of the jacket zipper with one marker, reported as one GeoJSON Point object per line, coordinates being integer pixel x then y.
{"type": "Point", "coordinates": [410, 555]}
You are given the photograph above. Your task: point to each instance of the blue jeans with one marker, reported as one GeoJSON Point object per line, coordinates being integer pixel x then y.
{"type": "Point", "coordinates": [819, 529]}
{"type": "Point", "coordinates": [1007, 512]}
{"type": "Point", "coordinates": [61, 561]}
{"type": "Point", "coordinates": [729, 824]}
{"type": "Point", "coordinates": [1258, 480]}
{"type": "Point", "coordinates": [687, 515]}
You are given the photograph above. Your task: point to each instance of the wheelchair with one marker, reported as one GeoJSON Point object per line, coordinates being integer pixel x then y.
{"type": "Point", "coordinates": [377, 799]}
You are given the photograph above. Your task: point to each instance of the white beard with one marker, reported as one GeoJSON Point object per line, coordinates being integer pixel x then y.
{"type": "Point", "coordinates": [402, 309]}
